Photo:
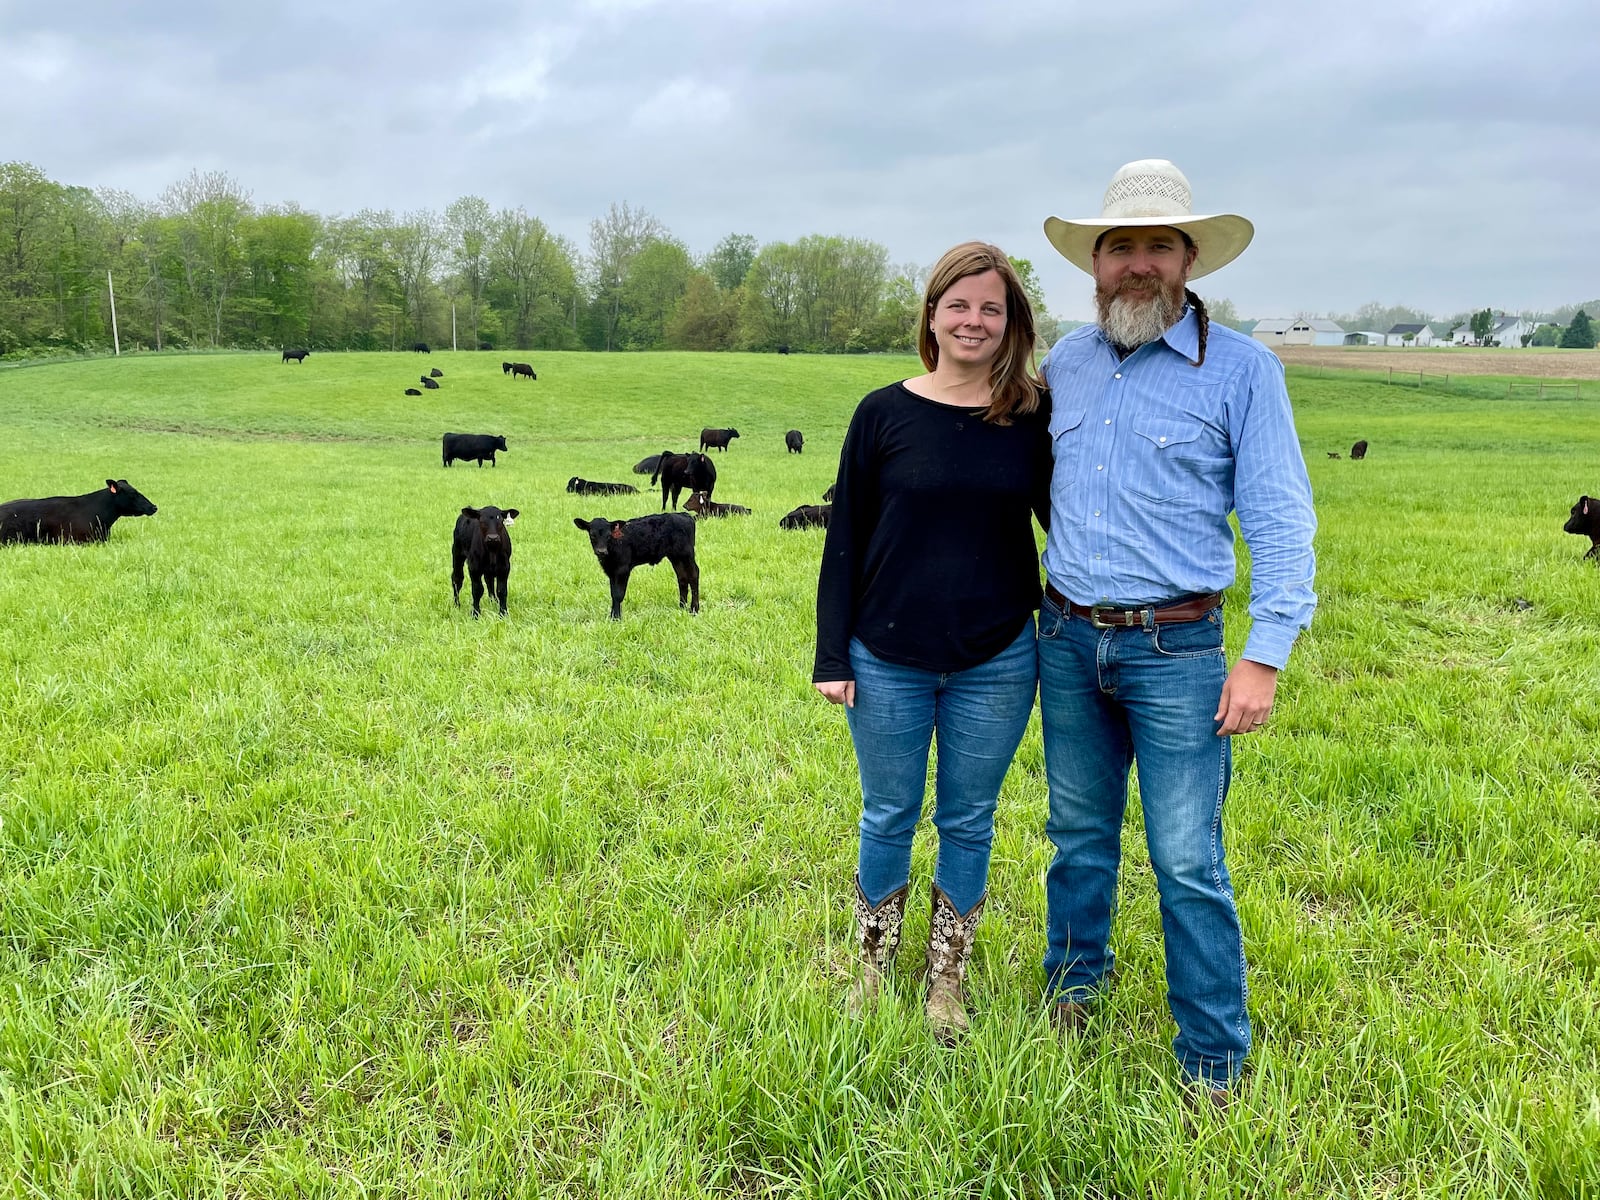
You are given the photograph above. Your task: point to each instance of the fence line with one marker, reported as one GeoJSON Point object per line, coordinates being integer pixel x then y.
{"type": "Point", "coordinates": [1483, 387]}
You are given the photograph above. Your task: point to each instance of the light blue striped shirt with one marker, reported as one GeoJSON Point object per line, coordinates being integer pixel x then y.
{"type": "Point", "coordinates": [1152, 454]}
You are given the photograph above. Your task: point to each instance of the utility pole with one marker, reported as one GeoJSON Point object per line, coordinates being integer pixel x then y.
{"type": "Point", "coordinates": [116, 342]}
{"type": "Point", "coordinates": [452, 325]}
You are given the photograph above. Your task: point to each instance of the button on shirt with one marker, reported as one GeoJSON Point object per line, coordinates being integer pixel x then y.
{"type": "Point", "coordinates": [1152, 454]}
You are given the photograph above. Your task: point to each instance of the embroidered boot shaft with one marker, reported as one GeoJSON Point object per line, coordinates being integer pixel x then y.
{"type": "Point", "coordinates": [877, 938]}
{"type": "Point", "coordinates": [950, 938]}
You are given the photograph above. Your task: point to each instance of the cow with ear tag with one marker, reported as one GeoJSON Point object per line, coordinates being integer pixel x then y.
{"type": "Point", "coordinates": [619, 546]}
{"type": "Point", "coordinates": [1585, 521]}
{"type": "Point", "coordinates": [483, 544]}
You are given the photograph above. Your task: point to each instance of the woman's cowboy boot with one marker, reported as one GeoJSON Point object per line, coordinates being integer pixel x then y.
{"type": "Point", "coordinates": [950, 937]}
{"type": "Point", "coordinates": [877, 937]}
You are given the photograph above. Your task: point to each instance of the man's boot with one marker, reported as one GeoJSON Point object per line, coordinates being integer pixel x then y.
{"type": "Point", "coordinates": [877, 937]}
{"type": "Point", "coordinates": [950, 938]}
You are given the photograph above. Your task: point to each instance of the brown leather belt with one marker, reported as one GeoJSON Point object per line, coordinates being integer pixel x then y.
{"type": "Point", "coordinates": [1106, 616]}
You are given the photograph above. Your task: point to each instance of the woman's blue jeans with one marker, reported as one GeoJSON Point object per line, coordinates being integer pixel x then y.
{"type": "Point", "coordinates": [978, 716]}
{"type": "Point", "coordinates": [1109, 698]}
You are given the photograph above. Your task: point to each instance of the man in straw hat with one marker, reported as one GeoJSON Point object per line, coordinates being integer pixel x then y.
{"type": "Point", "coordinates": [1162, 424]}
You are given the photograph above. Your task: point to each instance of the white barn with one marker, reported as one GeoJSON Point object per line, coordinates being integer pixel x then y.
{"type": "Point", "coordinates": [1364, 337]}
{"type": "Point", "coordinates": [1314, 331]}
{"type": "Point", "coordinates": [1270, 331]}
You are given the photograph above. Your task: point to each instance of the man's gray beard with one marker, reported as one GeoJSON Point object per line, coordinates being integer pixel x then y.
{"type": "Point", "coordinates": [1130, 320]}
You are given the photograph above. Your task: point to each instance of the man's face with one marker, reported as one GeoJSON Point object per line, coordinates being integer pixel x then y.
{"type": "Point", "coordinates": [1137, 260]}
{"type": "Point", "coordinates": [1139, 276]}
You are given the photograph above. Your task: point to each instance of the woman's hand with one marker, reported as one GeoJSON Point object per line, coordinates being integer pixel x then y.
{"type": "Point", "coordinates": [840, 691]}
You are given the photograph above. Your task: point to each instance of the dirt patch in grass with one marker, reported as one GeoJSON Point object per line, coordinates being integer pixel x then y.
{"type": "Point", "coordinates": [1463, 360]}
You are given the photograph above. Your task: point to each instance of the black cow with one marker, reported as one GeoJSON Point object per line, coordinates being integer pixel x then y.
{"type": "Point", "coordinates": [413, 391]}
{"type": "Point", "coordinates": [795, 440]}
{"type": "Point", "coordinates": [808, 516]}
{"type": "Point", "coordinates": [483, 543]}
{"type": "Point", "coordinates": [620, 546]}
{"type": "Point", "coordinates": [827, 496]}
{"type": "Point", "coordinates": [86, 518]}
{"type": "Point", "coordinates": [436, 373]}
{"type": "Point", "coordinates": [679, 471]}
{"type": "Point", "coordinates": [647, 466]}
{"type": "Point", "coordinates": [485, 346]}
{"type": "Point", "coordinates": [522, 369]}
{"type": "Point", "coordinates": [784, 349]}
{"type": "Point", "coordinates": [421, 347]}
{"type": "Point", "coordinates": [1585, 521]}
{"type": "Point", "coordinates": [717, 438]}
{"type": "Point", "coordinates": [431, 384]}
{"type": "Point", "coordinates": [472, 446]}
{"type": "Point", "coordinates": [1359, 450]}
{"type": "Point", "coordinates": [585, 487]}
{"type": "Point", "coordinates": [704, 506]}
{"type": "Point", "coordinates": [298, 356]}
{"type": "Point", "coordinates": [505, 368]}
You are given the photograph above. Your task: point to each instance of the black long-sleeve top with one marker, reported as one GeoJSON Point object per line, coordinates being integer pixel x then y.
{"type": "Point", "coordinates": [930, 557]}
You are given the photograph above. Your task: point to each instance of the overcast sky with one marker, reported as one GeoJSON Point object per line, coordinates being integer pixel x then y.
{"type": "Point", "coordinates": [1441, 155]}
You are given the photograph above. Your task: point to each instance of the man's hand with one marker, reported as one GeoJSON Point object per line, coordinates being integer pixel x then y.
{"type": "Point", "coordinates": [1246, 698]}
{"type": "Point", "coordinates": [843, 691]}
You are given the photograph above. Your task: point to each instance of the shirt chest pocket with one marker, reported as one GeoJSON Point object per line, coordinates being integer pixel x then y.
{"type": "Point", "coordinates": [1066, 444]}
{"type": "Point", "coordinates": [1174, 461]}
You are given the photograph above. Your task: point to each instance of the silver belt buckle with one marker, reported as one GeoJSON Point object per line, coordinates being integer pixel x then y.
{"type": "Point", "coordinates": [1128, 615]}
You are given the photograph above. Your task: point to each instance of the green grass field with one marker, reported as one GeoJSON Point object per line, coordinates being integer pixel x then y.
{"type": "Point", "coordinates": [312, 886]}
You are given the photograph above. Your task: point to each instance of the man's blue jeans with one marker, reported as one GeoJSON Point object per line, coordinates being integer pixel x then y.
{"type": "Point", "coordinates": [979, 716]}
{"type": "Point", "coordinates": [1108, 698]}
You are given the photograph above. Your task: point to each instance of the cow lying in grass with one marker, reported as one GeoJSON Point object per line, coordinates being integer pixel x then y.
{"type": "Point", "coordinates": [482, 543]}
{"type": "Point", "coordinates": [703, 505]}
{"type": "Point", "coordinates": [588, 487]}
{"type": "Point", "coordinates": [807, 516]}
{"type": "Point", "coordinates": [86, 518]}
{"type": "Point", "coordinates": [619, 546]}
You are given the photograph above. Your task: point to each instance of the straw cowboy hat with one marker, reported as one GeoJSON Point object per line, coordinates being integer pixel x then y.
{"type": "Point", "coordinates": [1152, 191]}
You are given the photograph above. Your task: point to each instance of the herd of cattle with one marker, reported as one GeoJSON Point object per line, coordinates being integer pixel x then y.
{"type": "Point", "coordinates": [481, 544]}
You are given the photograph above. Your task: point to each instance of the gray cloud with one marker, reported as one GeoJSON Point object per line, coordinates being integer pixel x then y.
{"type": "Point", "coordinates": [1443, 155]}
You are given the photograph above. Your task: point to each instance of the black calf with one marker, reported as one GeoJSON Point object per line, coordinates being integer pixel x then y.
{"type": "Point", "coordinates": [483, 543]}
{"type": "Point", "coordinates": [619, 546]}
{"type": "Point", "coordinates": [1585, 521]}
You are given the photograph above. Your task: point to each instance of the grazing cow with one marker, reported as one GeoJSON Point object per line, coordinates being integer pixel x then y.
{"type": "Point", "coordinates": [679, 471]}
{"type": "Point", "coordinates": [717, 438]}
{"type": "Point", "coordinates": [1359, 450]}
{"type": "Point", "coordinates": [505, 368]}
{"type": "Point", "coordinates": [485, 346]}
{"type": "Point", "coordinates": [827, 496]}
{"type": "Point", "coordinates": [86, 518]}
{"type": "Point", "coordinates": [585, 487]}
{"type": "Point", "coordinates": [483, 543]}
{"type": "Point", "coordinates": [431, 384]}
{"type": "Point", "coordinates": [1585, 521]}
{"type": "Point", "coordinates": [620, 546]}
{"type": "Point", "coordinates": [808, 516]}
{"type": "Point", "coordinates": [298, 356]}
{"type": "Point", "coordinates": [421, 347]}
{"type": "Point", "coordinates": [472, 446]}
{"type": "Point", "coordinates": [522, 369]}
{"type": "Point", "coordinates": [647, 466]}
{"type": "Point", "coordinates": [795, 440]}
{"type": "Point", "coordinates": [784, 349]}
{"type": "Point", "coordinates": [703, 505]}
{"type": "Point", "coordinates": [436, 373]}
{"type": "Point", "coordinates": [413, 391]}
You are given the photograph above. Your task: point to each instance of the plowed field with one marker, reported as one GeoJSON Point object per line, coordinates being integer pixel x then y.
{"type": "Point", "coordinates": [1541, 364]}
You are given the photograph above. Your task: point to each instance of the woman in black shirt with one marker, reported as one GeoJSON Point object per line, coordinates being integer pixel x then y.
{"type": "Point", "coordinates": [925, 607]}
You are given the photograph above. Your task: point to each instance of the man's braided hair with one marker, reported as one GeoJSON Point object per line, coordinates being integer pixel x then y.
{"type": "Point", "coordinates": [1202, 318]}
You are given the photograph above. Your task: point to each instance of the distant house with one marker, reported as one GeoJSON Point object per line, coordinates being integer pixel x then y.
{"type": "Point", "coordinates": [1364, 337]}
{"type": "Point", "coordinates": [1271, 330]}
{"type": "Point", "coordinates": [1314, 331]}
{"type": "Point", "coordinates": [1420, 335]}
{"type": "Point", "coordinates": [1506, 331]}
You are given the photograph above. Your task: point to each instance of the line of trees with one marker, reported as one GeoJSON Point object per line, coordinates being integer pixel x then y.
{"type": "Point", "coordinates": [203, 266]}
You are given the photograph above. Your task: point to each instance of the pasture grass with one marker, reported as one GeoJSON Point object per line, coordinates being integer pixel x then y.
{"type": "Point", "coordinates": [310, 885]}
